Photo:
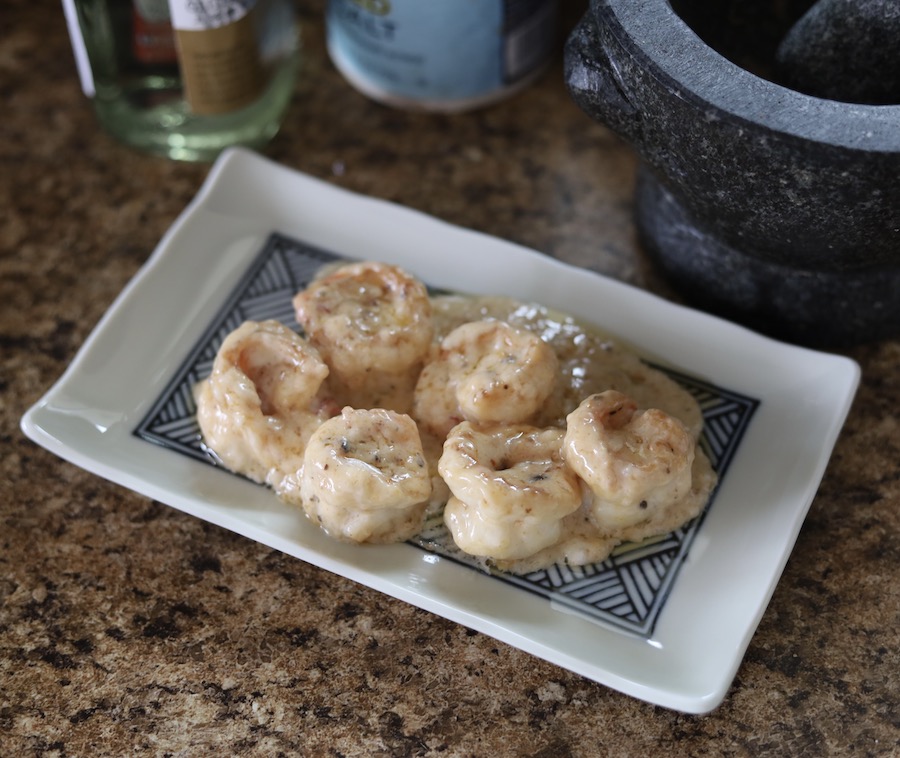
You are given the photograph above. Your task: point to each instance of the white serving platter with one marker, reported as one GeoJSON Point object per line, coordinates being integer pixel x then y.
{"type": "Point", "coordinates": [791, 402]}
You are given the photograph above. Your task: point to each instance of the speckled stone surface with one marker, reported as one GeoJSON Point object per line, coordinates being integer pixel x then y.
{"type": "Point", "coordinates": [128, 628]}
{"type": "Point", "coordinates": [766, 205]}
{"type": "Point", "coordinates": [844, 50]}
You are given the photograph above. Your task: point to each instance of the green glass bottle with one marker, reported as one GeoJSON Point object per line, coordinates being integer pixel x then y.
{"type": "Point", "coordinates": [186, 78]}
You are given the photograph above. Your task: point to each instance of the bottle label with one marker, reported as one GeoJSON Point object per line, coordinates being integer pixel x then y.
{"type": "Point", "coordinates": [219, 54]}
{"type": "Point", "coordinates": [152, 38]}
{"type": "Point", "coordinates": [441, 50]}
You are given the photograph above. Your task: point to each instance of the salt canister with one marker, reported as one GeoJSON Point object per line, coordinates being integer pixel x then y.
{"type": "Point", "coordinates": [441, 55]}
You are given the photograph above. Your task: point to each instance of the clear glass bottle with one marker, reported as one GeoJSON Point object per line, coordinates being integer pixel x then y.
{"type": "Point", "coordinates": [135, 66]}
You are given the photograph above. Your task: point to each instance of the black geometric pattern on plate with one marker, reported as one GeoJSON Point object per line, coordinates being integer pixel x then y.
{"type": "Point", "coordinates": [627, 591]}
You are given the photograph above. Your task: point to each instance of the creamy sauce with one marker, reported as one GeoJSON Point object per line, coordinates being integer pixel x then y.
{"type": "Point", "coordinates": [527, 523]}
{"type": "Point", "coordinates": [590, 362]}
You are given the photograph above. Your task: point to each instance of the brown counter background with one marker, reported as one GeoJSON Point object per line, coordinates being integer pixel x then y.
{"type": "Point", "coordinates": [129, 628]}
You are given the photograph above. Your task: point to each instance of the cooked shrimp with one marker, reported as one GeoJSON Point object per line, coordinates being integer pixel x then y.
{"type": "Point", "coordinates": [579, 544]}
{"type": "Point", "coordinates": [365, 478]}
{"type": "Point", "coordinates": [511, 489]}
{"type": "Point", "coordinates": [485, 372]}
{"type": "Point", "coordinates": [590, 360]}
{"type": "Point", "coordinates": [636, 462]}
{"type": "Point", "coordinates": [262, 401]}
{"type": "Point", "coordinates": [372, 324]}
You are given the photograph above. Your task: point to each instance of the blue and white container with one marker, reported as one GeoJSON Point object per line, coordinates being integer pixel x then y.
{"type": "Point", "coordinates": [440, 55]}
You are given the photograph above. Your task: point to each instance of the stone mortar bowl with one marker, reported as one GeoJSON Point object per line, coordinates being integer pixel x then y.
{"type": "Point", "coordinates": [762, 204]}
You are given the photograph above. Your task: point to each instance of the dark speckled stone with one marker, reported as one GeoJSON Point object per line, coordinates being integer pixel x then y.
{"type": "Point", "coordinates": [758, 202]}
{"type": "Point", "coordinates": [845, 50]}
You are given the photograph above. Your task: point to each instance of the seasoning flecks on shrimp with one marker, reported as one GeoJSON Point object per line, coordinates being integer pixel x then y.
{"type": "Point", "coordinates": [372, 324]}
{"type": "Point", "coordinates": [485, 372]}
{"type": "Point", "coordinates": [262, 401]}
{"type": "Point", "coordinates": [511, 489]}
{"type": "Point", "coordinates": [637, 463]}
{"type": "Point", "coordinates": [365, 478]}
{"type": "Point", "coordinates": [527, 471]}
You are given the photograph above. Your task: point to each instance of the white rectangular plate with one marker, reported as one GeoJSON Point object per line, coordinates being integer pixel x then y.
{"type": "Point", "coordinates": [727, 571]}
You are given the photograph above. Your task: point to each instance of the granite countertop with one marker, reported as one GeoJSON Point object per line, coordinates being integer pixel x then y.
{"type": "Point", "coordinates": [127, 627]}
